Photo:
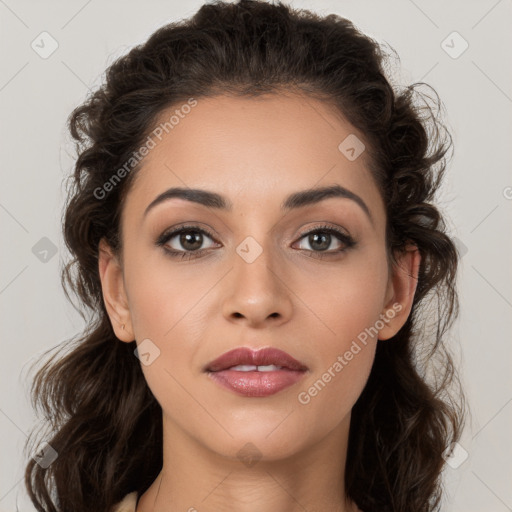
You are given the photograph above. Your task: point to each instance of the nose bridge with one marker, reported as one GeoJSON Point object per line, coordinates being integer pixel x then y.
{"type": "Point", "coordinates": [255, 249]}
{"type": "Point", "coordinates": [257, 289]}
{"type": "Point", "coordinates": [256, 263]}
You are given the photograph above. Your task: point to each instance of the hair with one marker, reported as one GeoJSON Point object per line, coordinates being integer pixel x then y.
{"type": "Point", "coordinates": [101, 418]}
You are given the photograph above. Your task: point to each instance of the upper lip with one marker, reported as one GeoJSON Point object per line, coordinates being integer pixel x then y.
{"type": "Point", "coordinates": [261, 357]}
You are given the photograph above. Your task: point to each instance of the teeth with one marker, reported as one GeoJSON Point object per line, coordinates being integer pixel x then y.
{"type": "Point", "coordinates": [253, 368]}
{"type": "Point", "coordinates": [269, 368]}
{"type": "Point", "coordinates": [244, 368]}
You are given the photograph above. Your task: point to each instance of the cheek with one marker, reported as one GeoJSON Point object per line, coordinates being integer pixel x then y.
{"type": "Point", "coordinates": [349, 302]}
{"type": "Point", "coordinates": [347, 297]}
{"type": "Point", "coordinates": [162, 296]}
{"type": "Point", "coordinates": [164, 308]}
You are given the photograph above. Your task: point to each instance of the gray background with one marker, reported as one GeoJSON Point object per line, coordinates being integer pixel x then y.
{"type": "Point", "coordinates": [37, 94]}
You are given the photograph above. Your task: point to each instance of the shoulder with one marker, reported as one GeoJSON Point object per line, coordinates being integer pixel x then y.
{"type": "Point", "coordinates": [127, 504]}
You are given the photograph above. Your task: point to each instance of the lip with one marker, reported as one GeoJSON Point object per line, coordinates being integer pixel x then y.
{"type": "Point", "coordinates": [261, 357]}
{"type": "Point", "coordinates": [255, 383]}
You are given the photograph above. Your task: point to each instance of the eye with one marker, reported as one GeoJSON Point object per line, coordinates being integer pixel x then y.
{"type": "Point", "coordinates": [322, 238]}
{"type": "Point", "coordinates": [185, 241]}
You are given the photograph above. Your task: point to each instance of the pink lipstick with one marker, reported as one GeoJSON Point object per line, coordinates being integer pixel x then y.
{"type": "Point", "coordinates": [255, 373]}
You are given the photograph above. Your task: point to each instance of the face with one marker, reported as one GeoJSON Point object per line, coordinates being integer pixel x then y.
{"type": "Point", "coordinates": [311, 280]}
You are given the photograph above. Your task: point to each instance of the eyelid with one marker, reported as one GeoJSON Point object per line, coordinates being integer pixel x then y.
{"type": "Point", "coordinates": [325, 227]}
{"type": "Point", "coordinates": [343, 236]}
{"type": "Point", "coordinates": [176, 230]}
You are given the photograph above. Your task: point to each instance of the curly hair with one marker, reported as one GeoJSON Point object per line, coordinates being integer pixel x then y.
{"type": "Point", "coordinates": [101, 418]}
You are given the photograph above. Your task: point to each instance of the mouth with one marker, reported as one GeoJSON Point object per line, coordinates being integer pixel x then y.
{"type": "Point", "coordinates": [255, 373]}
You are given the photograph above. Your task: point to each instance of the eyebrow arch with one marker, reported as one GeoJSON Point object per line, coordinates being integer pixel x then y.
{"type": "Point", "coordinates": [296, 200]}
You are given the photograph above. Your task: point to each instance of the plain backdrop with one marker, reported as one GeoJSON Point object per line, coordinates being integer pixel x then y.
{"type": "Point", "coordinates": [475, 84]}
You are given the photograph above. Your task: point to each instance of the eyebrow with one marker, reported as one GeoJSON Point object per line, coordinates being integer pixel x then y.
{"type": "Point", "coordinates": [293, 201]}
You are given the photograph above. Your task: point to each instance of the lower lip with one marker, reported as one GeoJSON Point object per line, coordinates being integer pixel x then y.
{"type": "Point", "coordinates": [256, 383]}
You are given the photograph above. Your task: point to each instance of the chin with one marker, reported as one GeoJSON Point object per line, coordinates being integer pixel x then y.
{"type": "Point", "coordinates": [257, 442]}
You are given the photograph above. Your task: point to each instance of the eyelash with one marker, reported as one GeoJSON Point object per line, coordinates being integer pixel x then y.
{"type": "Point", "coordinates": [347, 240]}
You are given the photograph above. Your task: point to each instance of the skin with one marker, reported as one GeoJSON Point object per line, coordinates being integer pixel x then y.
{"type": "Point", "coordinates": [255, 152]}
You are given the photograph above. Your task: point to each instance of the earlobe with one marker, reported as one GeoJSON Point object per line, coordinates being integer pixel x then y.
{"type": "Point", "coordinates": [114, 295]}
{"type": "Point", "coordinates": [402, 287]}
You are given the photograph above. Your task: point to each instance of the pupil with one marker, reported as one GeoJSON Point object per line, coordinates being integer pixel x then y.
{"type": "Point", "coordinates": [326, 239]}
{"type": "Point", "coordinates": [194, 240]}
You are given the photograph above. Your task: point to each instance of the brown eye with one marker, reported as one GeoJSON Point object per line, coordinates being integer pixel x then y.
{"type": "Point", "coordinates": [320, 241]}
{"type": "Point", "coordinates": [328, 240]}
{"type": "Point", "coordinates": [190, 240]}
{"type": "Point", "coordinates": [186, 241]}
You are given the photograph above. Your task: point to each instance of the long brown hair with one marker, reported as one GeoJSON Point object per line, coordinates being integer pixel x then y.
{"type": "Point", "coordinates": [102, 420]}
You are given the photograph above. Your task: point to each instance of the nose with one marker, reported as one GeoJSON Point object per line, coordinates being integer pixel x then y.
{"type": "Point", "coordinates": [259, 291]}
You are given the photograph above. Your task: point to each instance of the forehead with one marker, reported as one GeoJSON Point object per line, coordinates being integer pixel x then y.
{"type": "Point", "coordinates": [257, 150]}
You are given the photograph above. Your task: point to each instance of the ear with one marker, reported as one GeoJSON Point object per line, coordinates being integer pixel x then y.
{"type": "Point", "coordinates": [400, 292]}
{"type": "Point", "coordinates": [114, 295]}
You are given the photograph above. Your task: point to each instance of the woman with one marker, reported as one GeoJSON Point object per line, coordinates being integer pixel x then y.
{"type": "Point", "coordinates": [253, 231]}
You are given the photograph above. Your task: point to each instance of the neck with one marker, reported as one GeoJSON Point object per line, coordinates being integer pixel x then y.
{"type": "Point", "coordinates": [195, 478]}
